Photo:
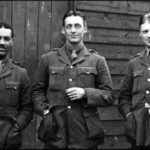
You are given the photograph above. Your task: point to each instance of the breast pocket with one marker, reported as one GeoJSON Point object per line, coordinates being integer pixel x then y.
{"type": "Point", "coordinates": [87, 76]}
{"type": "Point", "coordinates": [138, 80]}
{"type": "Point", "coordinates": [56, 78]}
{"type": "Point", "coordinates": [12, 92]}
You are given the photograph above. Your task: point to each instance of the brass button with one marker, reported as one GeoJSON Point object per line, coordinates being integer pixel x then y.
{"type": "Point", "coordinates": [69, 107]}
{"type": "Point", "coordinates": [147, 92]}
{"type": "Point", "coordinates": [70, 80]}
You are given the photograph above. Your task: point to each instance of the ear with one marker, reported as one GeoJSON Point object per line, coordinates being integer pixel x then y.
{"type": "Point", "coordinates": [12, 43]}
{"type": "Point", "coordinates": [62, 30]}
{"type": "Point", "coordinates": [85, 29]}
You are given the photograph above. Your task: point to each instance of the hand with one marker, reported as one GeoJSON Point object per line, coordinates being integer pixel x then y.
{"type": "Point", "coordinates": [75, 93]}
{"type": "Point", "coordinates": [14, 138]}
{"type": "Point", "coordinates": [15, 130]}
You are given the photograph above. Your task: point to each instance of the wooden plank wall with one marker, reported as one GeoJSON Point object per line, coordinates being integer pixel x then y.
{"type": "Point", "coordinates": [37, 27]}
{"type": "Point", "coordinates": [113, 31]}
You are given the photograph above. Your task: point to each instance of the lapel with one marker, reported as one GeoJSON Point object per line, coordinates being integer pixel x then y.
{"type": "Point", "coordinates": [8, 66]}
{"type": "Point", "coordinates": [82, 55]}
{"type": "Point", "coordinates": [144, 59]}
{"type": "Point", "coordinates": [63, 56]}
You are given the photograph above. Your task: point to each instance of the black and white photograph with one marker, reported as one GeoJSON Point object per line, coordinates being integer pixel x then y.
{"type": "Point", "coordinates": [75, 74]}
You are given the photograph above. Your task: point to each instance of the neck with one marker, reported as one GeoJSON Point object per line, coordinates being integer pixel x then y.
{"type": "Point", "coordinates": [74, 46]}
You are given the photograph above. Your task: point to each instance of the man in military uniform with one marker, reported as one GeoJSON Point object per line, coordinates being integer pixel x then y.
{"type": "Point", "coordinates": [15, 97]}
{"type": "Point", "coordinates": [134, 97]}
{"type": "Point", "coordinates": [69, 85]}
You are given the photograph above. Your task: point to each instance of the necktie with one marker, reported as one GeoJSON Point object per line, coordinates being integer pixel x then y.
{"type": "Point", "coordinates": [73, 55]}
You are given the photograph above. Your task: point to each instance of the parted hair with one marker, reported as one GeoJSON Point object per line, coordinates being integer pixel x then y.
{"type": "Point", "coordinates": [73, 13]}
{"type": "Point", "coordinates": [144, 18]}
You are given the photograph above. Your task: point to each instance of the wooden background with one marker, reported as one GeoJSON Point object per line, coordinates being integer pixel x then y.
{"type": "Point", "coordinates": [113, 32]}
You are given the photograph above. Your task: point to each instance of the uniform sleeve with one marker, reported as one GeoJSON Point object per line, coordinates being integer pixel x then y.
{"type": "Point", "coordinates": [39, 87]}
{"type": "Point", "coordinates": [25, 114]}
{"type": "Point", "coordinates": [102, 94]}
{"type": "Point", "coordinates": [125, 95]}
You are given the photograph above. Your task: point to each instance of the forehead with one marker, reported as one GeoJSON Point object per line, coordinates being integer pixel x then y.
{"type": "Point", "coordinates": [5, 32]}
{"type": "Point", "coordinates": [74, 20]}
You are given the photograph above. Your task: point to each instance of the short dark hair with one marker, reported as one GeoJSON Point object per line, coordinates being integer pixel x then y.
{"type": "Point", "coordinates": [7, 26]}
{"type": "Point", "coordinates": [73, 13]}
{"type": "Point", "coordinates": [143, 18]}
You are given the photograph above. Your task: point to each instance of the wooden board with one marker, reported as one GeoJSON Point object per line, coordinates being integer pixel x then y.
{"type": "Point", "coordinates": [115, 51]}
{"type": "Point", "coordinates": [5, 11]}
{"type": "Point", "coordinates": [18, 23]}
{"type": "Point", "coordinates": [117, 67]}
{"type": "Point", "coordinates": [31, 36]}
{"type": "Point", "coordinates": [112, 36]}
{"type": "Point", "coordinates": [44, 27]}
{"type": "Point", "coordinates": [120, 7]}
{"type": "Point", "coordinates": [57, 38]}
{"type": "Point", "coordinates": [109, 113]}
{"type": "Point", "coordinates": [111, 20]}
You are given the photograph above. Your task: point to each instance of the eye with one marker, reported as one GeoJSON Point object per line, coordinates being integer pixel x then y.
{"type": "Point", "coordinates": [7, 38]}
{"type": "Point", "coordinates": [69, 26]}
{"type": "Point", "coordinates": [145, 31]}
{"type": "Point", "coordinates": [77, 26]}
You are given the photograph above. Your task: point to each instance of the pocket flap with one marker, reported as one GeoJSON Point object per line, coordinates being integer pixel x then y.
{"type": "Point", "coordinates": [87, 70]}
{"type": "Point", "coordinates": [138, 73]}
{"type": "Point", "coordinates": [55, 70]}
{"type": "Point", "coordinates": [12, 85]}
{"type": "Point", "coordinates": [89, 112]}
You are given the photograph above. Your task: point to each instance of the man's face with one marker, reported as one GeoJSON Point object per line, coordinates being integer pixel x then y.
{"type": "Point", "coordinates": [5, 41]}
{"type": "Point", "coordinates": [74, 29]}
{"type": "Point", "coordinates": [145, 33]}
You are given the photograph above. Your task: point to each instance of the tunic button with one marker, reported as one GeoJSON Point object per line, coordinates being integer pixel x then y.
{"type": "Point", "coordinates": [148, 79]}
{"type": "Point", "coordinates": [69, 107]}
{"type": "Point", "coordinates": [148, 68]}
{"type": "Point", "coordinates": [147, 92]}
{"type": "Point", "coordinates": [70, 80]}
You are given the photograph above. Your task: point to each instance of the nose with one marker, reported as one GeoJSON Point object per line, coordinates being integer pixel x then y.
{"type": "Point", "coordinates": [73, 29]}
{"type": "Point", "coordinates": [2, 41]}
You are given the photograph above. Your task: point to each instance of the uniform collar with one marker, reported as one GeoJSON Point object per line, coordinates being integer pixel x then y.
{"type": "Point", "coordinates": [144, 58]}
{"type": "Point", "coordinates": [64, 58]}
{"type": "Point", "coordinates": [7, 65]}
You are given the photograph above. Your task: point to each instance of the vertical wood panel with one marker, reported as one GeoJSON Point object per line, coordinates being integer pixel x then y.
{"type": "Point", "coordinates": [31, 33]}
{"type": "Point", "coordinates": [44, 30]}
{"type": "Point", "coordinates": [31, 36]}
{"type": "Point", "coordinates": [18, 22]}
{"type": "Point", "coordinates": [5, 11]}
{"type": "Point", "coordinates": [59, 8]}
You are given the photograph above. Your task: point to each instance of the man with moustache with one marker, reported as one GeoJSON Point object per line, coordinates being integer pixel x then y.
{"type": "Point", "coordinates": [69, 85]}
{"type": "Point", "coordinates": [134, 97]}
{"type": "Point", "coordinates": [15, 98]}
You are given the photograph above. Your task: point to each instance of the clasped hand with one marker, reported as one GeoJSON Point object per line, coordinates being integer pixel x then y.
{"type": "Point", "coordinates": [75, 93]}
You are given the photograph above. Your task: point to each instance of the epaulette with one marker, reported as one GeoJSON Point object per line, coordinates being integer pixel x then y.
{"type": "Point", "coordinates": [16, 63]}
{"type": "Point", "coordinates": [93, 51]}
{"type": "Point", "coordinates": [54, 49]}
{"type": "Point", "coordinates": [136, 55]}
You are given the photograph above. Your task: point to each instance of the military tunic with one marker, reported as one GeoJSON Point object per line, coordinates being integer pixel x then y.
{"type": "Point", "coordinates": [15, 99]}
{"type": "Point", "coordinates": [78, 122]}
{"type": "Point", "coordinates": [135, 92]}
